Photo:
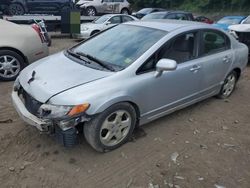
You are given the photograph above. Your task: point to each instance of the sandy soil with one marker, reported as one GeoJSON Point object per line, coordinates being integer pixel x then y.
{"type": "Point", "coordinates": [209, 140]}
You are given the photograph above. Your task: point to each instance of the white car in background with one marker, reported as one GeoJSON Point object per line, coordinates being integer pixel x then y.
{"type": "Point", "coordinates": [242, 32]}
{"type": "Point", "coordinates": [94, 7]}
{"type": "Point", "coordinates": [20, 45]}
{"type": "Point", "coordinates": [102, 23]}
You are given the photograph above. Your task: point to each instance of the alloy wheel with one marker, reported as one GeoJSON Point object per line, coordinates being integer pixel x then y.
{"type": "Point", "coordinates": [229, 85]}
{"type": "Point", "coordinates": [115, 128]}
{"type": "Point", "coordinates": [9, 66]}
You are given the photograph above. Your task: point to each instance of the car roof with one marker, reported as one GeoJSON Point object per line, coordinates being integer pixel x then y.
{"type": "Point", "coordinates": [167, 24]}
{"type": "Point", "coordinates": [241, 17]}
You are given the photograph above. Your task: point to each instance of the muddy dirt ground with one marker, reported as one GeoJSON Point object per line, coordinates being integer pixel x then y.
{"type": "Point", "coordinates": [210, 141]}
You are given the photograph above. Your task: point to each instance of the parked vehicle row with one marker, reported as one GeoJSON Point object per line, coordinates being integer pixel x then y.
{"type": "Point", "coordinates": [125, 77]}
{"type": "Point", "coordinates": [20, 7]}
{"type": "Point", "coordinates": [102, 23]}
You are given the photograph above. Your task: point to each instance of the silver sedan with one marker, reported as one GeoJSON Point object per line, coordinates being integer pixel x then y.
{"type": "Point", "coordinates": [125, 77]}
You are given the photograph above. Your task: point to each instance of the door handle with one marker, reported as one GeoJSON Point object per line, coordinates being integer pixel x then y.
{"type": "Point", "coordinates": [195, 68]}
{"type": "Point", "coordinates": [226, 59]}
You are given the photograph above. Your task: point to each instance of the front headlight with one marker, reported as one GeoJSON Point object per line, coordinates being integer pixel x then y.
{"type": "Point", "coordinates": [84, 28]}
{"type": "Point", "coordinates": [48, 111]}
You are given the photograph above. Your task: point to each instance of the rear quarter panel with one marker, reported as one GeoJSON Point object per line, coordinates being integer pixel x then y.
{"type": "Point", "coordinates": [23, 39]}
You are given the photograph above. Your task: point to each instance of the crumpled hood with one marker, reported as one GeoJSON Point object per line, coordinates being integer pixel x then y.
{"type": "Point", "coordinates": [240, 28]}
{"type": "Point", "coordinates": [55, 74]}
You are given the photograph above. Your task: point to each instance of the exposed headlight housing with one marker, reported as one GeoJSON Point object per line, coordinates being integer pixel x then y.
{"type": "Point", "coordinates": [64, 116]}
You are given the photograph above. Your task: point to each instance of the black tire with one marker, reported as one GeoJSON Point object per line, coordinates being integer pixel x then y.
{"type": "Point", "coordinates": [125, 11]}
{"type": "Point", "coordinates": [92, 129]}
{"type": "Point", "coordinates": [91, 11]}
{"type": "Point", "coordinates": [94, 32]}
{"type": "Point", "coordinates": [16, 9]}
{"type": "Point", "coordinates": [19, 62]}
{"type": "Point", "coordinates": [226, 91]}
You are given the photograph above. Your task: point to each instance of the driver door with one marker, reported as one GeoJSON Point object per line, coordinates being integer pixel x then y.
{"type": "Point", "coordinates": [173, 89]}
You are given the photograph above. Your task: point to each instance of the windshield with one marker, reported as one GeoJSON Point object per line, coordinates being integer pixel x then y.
{"type": "Point", "coordinates": [102, 19]}
{"type": "Point", "coordinates": [154, 16]}
{"type": "Point", "coordinates": [230, 21]}
{"type": "Point", "coordinates": [121, 45]}
{"type": "Point", "coordinates": [145, 11]}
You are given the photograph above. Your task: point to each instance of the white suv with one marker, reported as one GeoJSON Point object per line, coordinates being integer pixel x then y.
{"type": "Point", "coordinates": [94, 7]}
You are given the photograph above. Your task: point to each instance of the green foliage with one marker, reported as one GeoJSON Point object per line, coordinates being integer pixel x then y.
{"type": "Point", "coordinates": [195, 5]}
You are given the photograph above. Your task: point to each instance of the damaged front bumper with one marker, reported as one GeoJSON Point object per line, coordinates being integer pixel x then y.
{"type": "Point", "coordinates": [45, 125]}
{"type": "Point", "coordinates": [42, 125]}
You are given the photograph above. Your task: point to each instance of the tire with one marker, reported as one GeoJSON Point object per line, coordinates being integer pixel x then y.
{"type": "Point", "coordinates": [111, 128]}
{"type": "Point", "coordinates": [91, 11]}
{"type": "Point", "coordinates": [94, 32]}
{"type": "Point", "coordinates": [228, 85]}
{"type": "Point", "coordinates": [125, 11]}
{"type": "Point", "coordinates": [16, 9]}
{"type": "Point", "coordinates": [10, 60]}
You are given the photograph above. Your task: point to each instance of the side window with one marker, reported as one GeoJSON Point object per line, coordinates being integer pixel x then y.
{"type": "Point", "coordinates": [181, 49]}
{"type": "Point", "coordinates": [171, 16]}
{"type": "Point", "coordinates": [214, 42]}
{"type": "Point", "coordinates": [126, 19]}
{"type": "Point", "coordinates": [119, 1]}
{"type": "Point", "coordinates": [181, 17]}
{"type": "Point", "coordinates": [115, 20]}
{"type": "Point", "coordinates": [148, 66]}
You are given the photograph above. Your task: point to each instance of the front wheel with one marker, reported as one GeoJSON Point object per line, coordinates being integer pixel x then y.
{"type": "Point", "coordinates": [16, 9]}
{"type": "Point", "coordinates": [228, 85]}
{"type": "Point", "coordinates": [111, 128]}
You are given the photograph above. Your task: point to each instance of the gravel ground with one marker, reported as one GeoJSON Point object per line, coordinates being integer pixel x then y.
{"type": "Point", "coordinates": [204, 145]}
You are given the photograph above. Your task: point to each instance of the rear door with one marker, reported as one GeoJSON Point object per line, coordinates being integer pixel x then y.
{"type": "Point", "coordinates": [215, 57]}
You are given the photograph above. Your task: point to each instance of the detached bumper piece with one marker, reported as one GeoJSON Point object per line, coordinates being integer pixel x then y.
{"type": "Point", "coordinates": [67, 138]}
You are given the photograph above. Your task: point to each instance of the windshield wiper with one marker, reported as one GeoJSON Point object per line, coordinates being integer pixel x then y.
{"type": "Point", "coordinates": [106, 66]}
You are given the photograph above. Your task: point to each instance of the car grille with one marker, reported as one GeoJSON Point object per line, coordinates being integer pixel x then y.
{"type": "Point", "coordinates": [30, 103]}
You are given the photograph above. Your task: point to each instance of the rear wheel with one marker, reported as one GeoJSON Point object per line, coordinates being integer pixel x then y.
{"type": "Point", "coordinates": [111, 128]}
{"type": "Point", "coordinates": [16, 9]}
{"type": "Point", "coordinates": [229, 85]}
{"type": "Point", "coordinates": [91, 11]}
{"type": "Point", "coordinates": [11, 63]}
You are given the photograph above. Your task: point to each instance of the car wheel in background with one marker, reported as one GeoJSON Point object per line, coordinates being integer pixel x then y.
{"type": "Point", "coordinates": [16, 9]}
{"type": "Point", "coordinates": [11, 63]}
{"type": "Point", "coordinates": [111, 128]}
{"type": "Point", "coordinates": [91, 11]}
{"type": "Point", "coordinates": [229, 85]}
{"type": "Point", "coordinates": [125, 11]}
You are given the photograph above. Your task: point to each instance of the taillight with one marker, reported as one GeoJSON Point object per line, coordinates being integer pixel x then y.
{"type": "Point", "coordinates": [38, 30]}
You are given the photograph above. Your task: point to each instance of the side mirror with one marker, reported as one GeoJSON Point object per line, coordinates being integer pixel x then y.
{"type": "Point", "coordinates": [108, 22]}
{"type": "Point", "coordinates": [165, 65]}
